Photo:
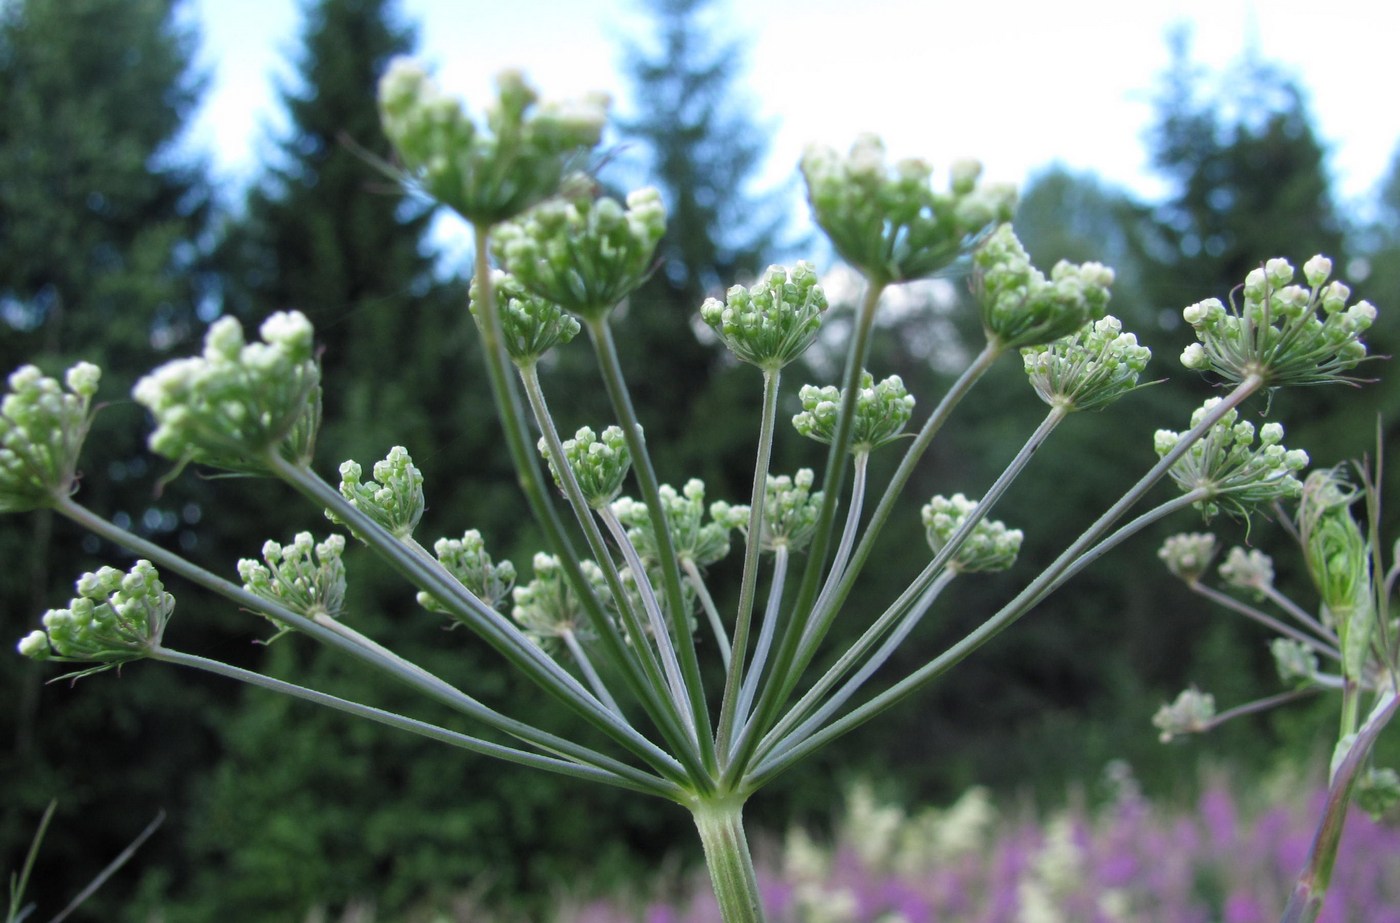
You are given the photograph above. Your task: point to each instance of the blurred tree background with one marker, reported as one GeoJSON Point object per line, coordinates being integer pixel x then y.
{"type": "Point", "coordinates": [111, 249]}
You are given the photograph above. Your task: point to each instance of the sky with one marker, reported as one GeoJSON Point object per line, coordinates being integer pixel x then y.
{"type": "Point", "coordinates": [1017, 85]}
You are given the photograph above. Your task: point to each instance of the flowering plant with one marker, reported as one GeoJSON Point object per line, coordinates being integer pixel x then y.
{"type": "Point", "coordinates": [609, 629]}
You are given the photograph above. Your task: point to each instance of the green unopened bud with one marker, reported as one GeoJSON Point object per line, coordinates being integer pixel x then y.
{"type": "Point", "coordinates": [991, 546]}
{"type": "Point", "coordinates": [584, 255]}
{"type": "Point", "coordinates": [530, 326]}
{"type": "Point", "coordinates": [306, 576]}
{"type": "Point", "coordinates": [488, 173]}
{"type": "Point", "coordinates": [1227, 464]}
{"type": "Point", "coordinates": [881, 412]}
{"type": "Point", "coordinates": [691, 537]}
{"type": "Point", "coordinates": [394, 499]}
{"type": "Point", "coordinates": [1295, 661]}
{"type": "Point", "coordinates": [1377, 791]}
{"type": "Point", "coordinates": [466, 559]}
{"type": "Point", "coordinates": [42, 428]}
{"type": "Point", "coordinates": [1191, 713]}
{"type": "Point", "coordinates": [548, 608]}
{"type": "Point", "coordinates": [1089, 369]}
{"type": "Point", "coordinates": [239, 400]}
{"type": "Point", "coordinates": [888, 221]}
{"type": "Point", "coordinates": [115, 618]}
{"type": "Point", "coordinates": [1020, 307]}
{"type": "Point", "coordinates": [790, 511]}
{"type": "Point", "coordinates": [1284, 333]}
{"type": "Point", "coordinates": [1339, 560]}
{"type": "Point", "coordinates": [1251, 571]}
{"type": "Point", "coordinates": [1188, 554]}
{"type": "Point", "coordinates": [773, 322]}
{"type": "Point", "coordinates": [599, 463]}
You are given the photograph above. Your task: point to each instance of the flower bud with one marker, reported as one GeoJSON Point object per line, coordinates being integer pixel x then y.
{"type": "Point", "coordinates": [599, 463]}
{"type": "Point", "coordinates": [989, 547]}
{"type": "Point", "coordinates": [881, 412]}
{"type": "Point", "coordinates": [548, 608]}
{"type": "Point", "coordinates": [1295, 661]}
{"type": "Point", "coordinates": [1339, 559]}
{"type": "Point", "coordinates": [306, 576]}
{"type": "Point", "coordinates": [115, 618]}
{"type": "Point", "coordinates": [1020, 307]}
{"type": "Point", "coordinates": [1089, 369]}
{"type": "Point", "coordinates": [530, 325]}
{"type": "Point", "coordinates": [1251, 571]}
{"type": "Point", "coordinates": [42, 428]}
{"type": "Point", "coordinates": [790, 511]}
{"type": "Point", "coordinates": [466, 559]}
{"type": "Point", "coordinates": [1192, 712]}
{"type": "Point", "coordinates": [394, 499]}
{"type": "Point", "coordinates": [1188, 554]}
{"type": "Point", "coordinates": [774, 321]}
{"type": "Point", "coordinates": [691, 537]}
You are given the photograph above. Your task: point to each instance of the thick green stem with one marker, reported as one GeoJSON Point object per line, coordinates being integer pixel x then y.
{"type": "Point", "coordinates": [721, 826]}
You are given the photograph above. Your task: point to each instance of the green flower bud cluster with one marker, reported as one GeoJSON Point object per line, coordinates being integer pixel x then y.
{"type": "Point", "coordinates": [599, 463]}
{"type": "Point", "coordinates": [530, 326]}
{"type": "Point", "coordinates": [1089, 369]}
{"type": "Point", "coordinates": [1295, 661]}
{"type": "Point", "coordinates": [990, 547]}
{"type": "Point", "coordinates": [889, 222]}
{"type": "Point", "coordinates": [1339, 559]}
{"type": "Point", "coordinates": [790, 511]}
{"type": "Point", "coordinates": [693, 539]}
{"type": "Point", "coordinates": [1192, 712]}
{"type": "Point", "coordinates": [394, 499]}
{"type": "Point", "coordinates": [584, 255]}
{"type": "Point", "coordinates": [1250, 571]}
{"type": "Point", "coordinates": [238, 400]}
{"type": "Point", "coordinates": [1020, 307]}
{"type": "Point", "coordinates": [42, 428]}
{"type": "Point", "coordinates": [881, 411]}
{"type": "Point", "coordinates": [306, 576]}
{"type": "Point", "coordinates": [548, 608]}
{"type": "Point", "coordinates": [634, 598]}
{"type": "Point", "coordinates": [772, 322]}
{"type": "Point", "coordinates": [1188, 555]}
{"type": "Point", "coordinates": [115, 618]}
{"type": "Point", "coordinates": [489, 175]}
{"type": "Point", "coordinates": [1377, 791]}
{"type": "Point", "coordinates": [466, 559]}
{"type": "Point", "coordinates": [1227, 464]}
{"type": "Point", "coordinates": [1278, 333]}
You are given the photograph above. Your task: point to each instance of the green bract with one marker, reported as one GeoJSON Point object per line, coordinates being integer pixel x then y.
{"type": "Point", "coordinates": [1229, 467]}
{"type": "Point", "coordinates": [1339, 560]}
{"type": "Point", "coordinates": [584, 255]}
{"type": "Point", "coordinates": [990, 547]}
{"type": "Point", "coordinates": [1088, 369]}
{"type": "Point", "coordinates": [889, 222]}
{"type": "Point", "coordinates": [1277, 333]}
{"type": "Point", "coordinates": [548, 608]}
{"type": "Point", "coordinates": [772, 322]}
{"type": "Point", "coordinates": [394, 499]}
{"type": "Point", "coordinates": [238, 400]}
{"type": "Point", "coordinates": [1188, 554]}
{"type": "Point", "coordinates": [1020, 307]}
{"type": "Point", "coordinates": [530, 325]}
{"type": "Point", "coordinates": [692, 538]}
{"type": "Point", "coordinates": [307, 577]}
{"type": "Point", "coordinates": [599, 463]}
{"type": "Point", "coordinates": [466, 559]}
{"type": "Point", "coordinates": [116, 617]}
{"type": "Point", "coordinates": [42, 428]}
{"type": "Point", "coordinates": [489, 175]}
{"type": "Point", "coordinates": [881, 411]}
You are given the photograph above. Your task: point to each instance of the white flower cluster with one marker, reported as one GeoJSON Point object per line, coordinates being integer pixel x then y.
{"type": "Point", "coordinates": [881, 412]}
{"type": "Point", "coordinates": [1188, 554]}
{"type": "Point", "coordinates": [990, 546]}
{"type": "Point", "coordinates": [1020, 306]}
{"type": "Point", "coordinates": [466, 559]}
{"type": "Point", "coordinates": [42, 428]}
{"type": "Point", "coordinates": [692, 537]}
{"type": "Point", "coordinates": [1089, 369]}
{"type": "Point", "coordinates": [116, 617]}
{"type": "Point", "coordinates": [772, 322]}
{"type": "Point", "coordinates": [394, 498]}
{"type": "Point", "coordinates": [306, 576]}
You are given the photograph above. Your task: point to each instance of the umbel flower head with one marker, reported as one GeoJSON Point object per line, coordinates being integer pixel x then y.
{"type": "Point", "coordinates": [466, 559]}
{"type": "Point", "coordinates": [599, 463]}
{"type": "Point", "coordinates": [888, 221]}
{"type": "Point", "coordinates": [1227, 464]}
{"type": "Point", "coordinates": [990, 547]}
{"type": "Point", "coordinates": [530, 325]}
{"type": "Point", "coordinates": [790, 511]}
{"type": "Point", "coordinates": [772, 322]}
{"type": "Point", "coordinates": [306, 576]}
{"type": "Point", "coordinates": [1188, 554]}
{"type": "Point", "coordinates": [881, 411]}
{"type": "Point", "coordinates": [115, 617]}
{"type": "Point", "coordinates": [1089, 369]}
{"type": "Point", "coordinates": [492, 173]}
{"type": "Point", "coordinates": [1192, 712]}
{"type": "Point", "coordinates": [692, 537]}
{"type": "Point", "coordinates": [42, 427]}
{"type": "Point", "coordinates": [1249, 571]}
{"type": "Point", "coordinates": [229, 406]}
{"type": "Point", "coordinates": [583, 254]}
{"type": "Point", "coordinates": [1020, 306]}
{"type": "Point", "coordinates": [394, 499]}
{"type": "Point", "coordinates": [1286, 334]}
{"type": "Point", "coordinates": [548, 608]}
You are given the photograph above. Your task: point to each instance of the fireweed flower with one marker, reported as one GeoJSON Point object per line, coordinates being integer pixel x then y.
{"type": "Point", "coordinates": [888, 221]}
{"type": "Point", "coordinates": [692, 537]}
{"type": "Point", "coordinates": [530, 325]}
{"type": "Point", "coordinates": [489, 174]}
{"type": "Point", "coordinates": [990, 547]}
{"type": "Point", "coordinates": [238, 400]}
{"type": "Point", "coordinates": [599, 463]}
{"type": "Point", "coordinates": [1230, 467]}
{"type": "Point", "coordinates": [1188, 555]}
{"type": "Point", "coordinates": [1021, 307]}
{"type": "Point", "coordinates": [42, 427]}
{"type": "Point", "coordinates": [306, 576]}
{"type": "Point", "coordinates": [548, 608]}
{"type": "Point", "coordinates": [1250, 571]}
{"type": "Point", "coordinates": [115, 618]}
{"type": "Point", "coordinates": [581, 254]}
{"type": "Point", "coordinates": [1089, 369]}
{"type": "Point", "coordinates": [772, 322]}
{"type": "Point", "coordinates": [1192, 712]}
{"type": "Point", "coordinates": [466, 559]}
{"type": "Point", "coordinates": [881, 412]}
{"type": "Point", "coordinates": [394, 499]}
